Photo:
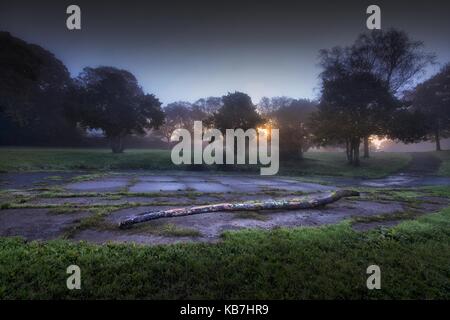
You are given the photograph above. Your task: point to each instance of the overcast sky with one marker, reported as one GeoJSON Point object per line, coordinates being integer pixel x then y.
{"type": "Point", "coordinates": [185, 50]}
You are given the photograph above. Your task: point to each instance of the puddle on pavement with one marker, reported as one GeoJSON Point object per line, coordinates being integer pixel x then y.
{"type": "Point", "coordinates": [301, 186]}
{"type": "Point", "coordinates": [158, 178]}
{"type": "Point", "coordinates": [389, 181]}
{"type": "Point", "coordinates": [208, 187]}
{"type": "Point", "coordinates": [98, 185]}
{"type": "Point", "coordinates": [157, 187]}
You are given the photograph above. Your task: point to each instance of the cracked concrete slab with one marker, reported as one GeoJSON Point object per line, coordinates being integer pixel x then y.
{"type": "Point", "coordinates": [197, 182]}
{"type": "Point", "coordinates": [37, 224]}
{"type": "Point", "coordinates": [99, 185]}
{"type": "Point", "coordinates": [157, 187]}
{"type": "Point", "coordinates": [175, 190]}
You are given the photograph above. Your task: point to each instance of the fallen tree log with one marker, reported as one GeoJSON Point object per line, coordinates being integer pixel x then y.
{"type": "Point", "coordinates": [305, 202]}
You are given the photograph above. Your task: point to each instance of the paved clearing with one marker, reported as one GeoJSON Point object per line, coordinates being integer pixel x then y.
{"type": "Point", "coordinates": [88, 207]}
{"type": "Point", "coordinates": [198, 183]}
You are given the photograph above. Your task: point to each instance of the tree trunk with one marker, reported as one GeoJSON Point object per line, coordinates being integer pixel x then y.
{"type": "Point", "coordinates": [117, 144]}
{"type": "Point", "coordinates": [438, 141]}
{"type": "Point", "coordinates": [348, 151]}
{"type": "Point", "coordinates": [355, 144]}
{"type": "Point", "coordinates": [356, 156]}
{"type": "Point", "coordinates": [306, 202]}
{"type": "Point", "coordinates": [366, 147]}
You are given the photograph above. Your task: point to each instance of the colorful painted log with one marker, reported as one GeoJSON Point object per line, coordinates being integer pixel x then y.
{"type": "Point", "coordinates": [305, 202]}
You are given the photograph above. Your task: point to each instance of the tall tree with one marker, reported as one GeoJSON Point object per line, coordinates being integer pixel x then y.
{"type": "Point", "coordinates": [432, 99]}
{"type": "Point", "coordinates": [391, 56]}
{"type": "Point", "coordinates": [208, 105]}
{"type": "Point", "coordinates": [350, 105]}
{"type": "Point", "coordinates": [180, 114]}
{"type": "Point", "coordinates": [407, 125]}
{"type": "Point", "coordinates": [34, 87]}
{"type": "Point", "coordinates": [238, 111]}
{"type": "Point", "coordinates": [291, 117]}
{"type": "Point", "coordinates": [19, 74]}
{"type": "Point", "coordinates": [267, 106]}
{"type": "Point", "coordinates": [110, 99]}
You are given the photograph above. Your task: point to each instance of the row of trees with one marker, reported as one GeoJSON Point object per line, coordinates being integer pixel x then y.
{"type": "Point", "coordinates": [236, 110]}
{"type": "Point", "coordinates": [366, 89]}
{"type": "Point", "coordinates": [41, 104]}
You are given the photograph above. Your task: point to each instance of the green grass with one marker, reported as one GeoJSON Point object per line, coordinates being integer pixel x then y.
{"type": "Point", "coordinates": [54, 178]}
{"type": "Point", "coordinates": [444, 169]}
{"type": "Point", "coordinates": [88, 177]}
{"type": "Point", "coordinates": [335, 164]}
{"type": "Point", "coordinates": [315, 163]}
{"type": "Point", "coordinates": [165, 229]}
{"type": "Point", "coordinates": [438, 191]}
{"type": "Point", "coordinates": [398, 195]}
{"type": "Point", "coordinates": [304, 263]}
{"type": "Point", "coordinates": [27, 159]}
{"type": "Point", "coordinates": [399, 215]}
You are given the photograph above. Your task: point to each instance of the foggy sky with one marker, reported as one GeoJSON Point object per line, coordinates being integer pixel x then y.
{"type": "Point", "coordinates": [185, 50]}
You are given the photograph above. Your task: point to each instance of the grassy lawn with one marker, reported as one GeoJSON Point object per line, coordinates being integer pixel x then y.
{"type": "Point", "coordinates": [28, 159]}
{"type": "Point", "coordinates": [444, 169]}
{"type": "Point", "coordinates": [302, 263]}
{"type": "Point", "coordinates": [380, 164]}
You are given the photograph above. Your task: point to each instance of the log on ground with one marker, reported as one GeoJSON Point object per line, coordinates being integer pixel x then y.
{"type": "Point", "coordinates": [305, 202]}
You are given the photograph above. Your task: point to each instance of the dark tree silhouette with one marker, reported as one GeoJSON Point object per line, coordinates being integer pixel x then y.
{"type": "Point", "coordinates": [407, 125]}
{"type": "Point", "coordinates": [267, 106]}
{"type": "Point", "coordinates": [350, 107]}
{"type": "Point", "coordinates": [110, 99]}
{"type": "Point", "coordinates": [208, 105]}
{"type": "Point", "coordinates": [34, 85]}
{"type": "Point", "coordinates": [180, 114]}
{"type": "Point", "coordinates": [291, 117]}
{"type": "Point", "coordinates": [391, 56]}
{"type": "Point", "coordinates": [19, 72]}
{"type": "Point", "coordinates": [238, 111]}
{"type": "Point", "coordinates": [432, 99]}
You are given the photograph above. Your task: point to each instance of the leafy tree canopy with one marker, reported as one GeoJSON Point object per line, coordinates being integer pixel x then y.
{"type": "Point", "coordinates": [111, 99]}
{"type": "Point", "coordinates": [238, 111]}
{"type": "Point", "coordinates": [432, 99]}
